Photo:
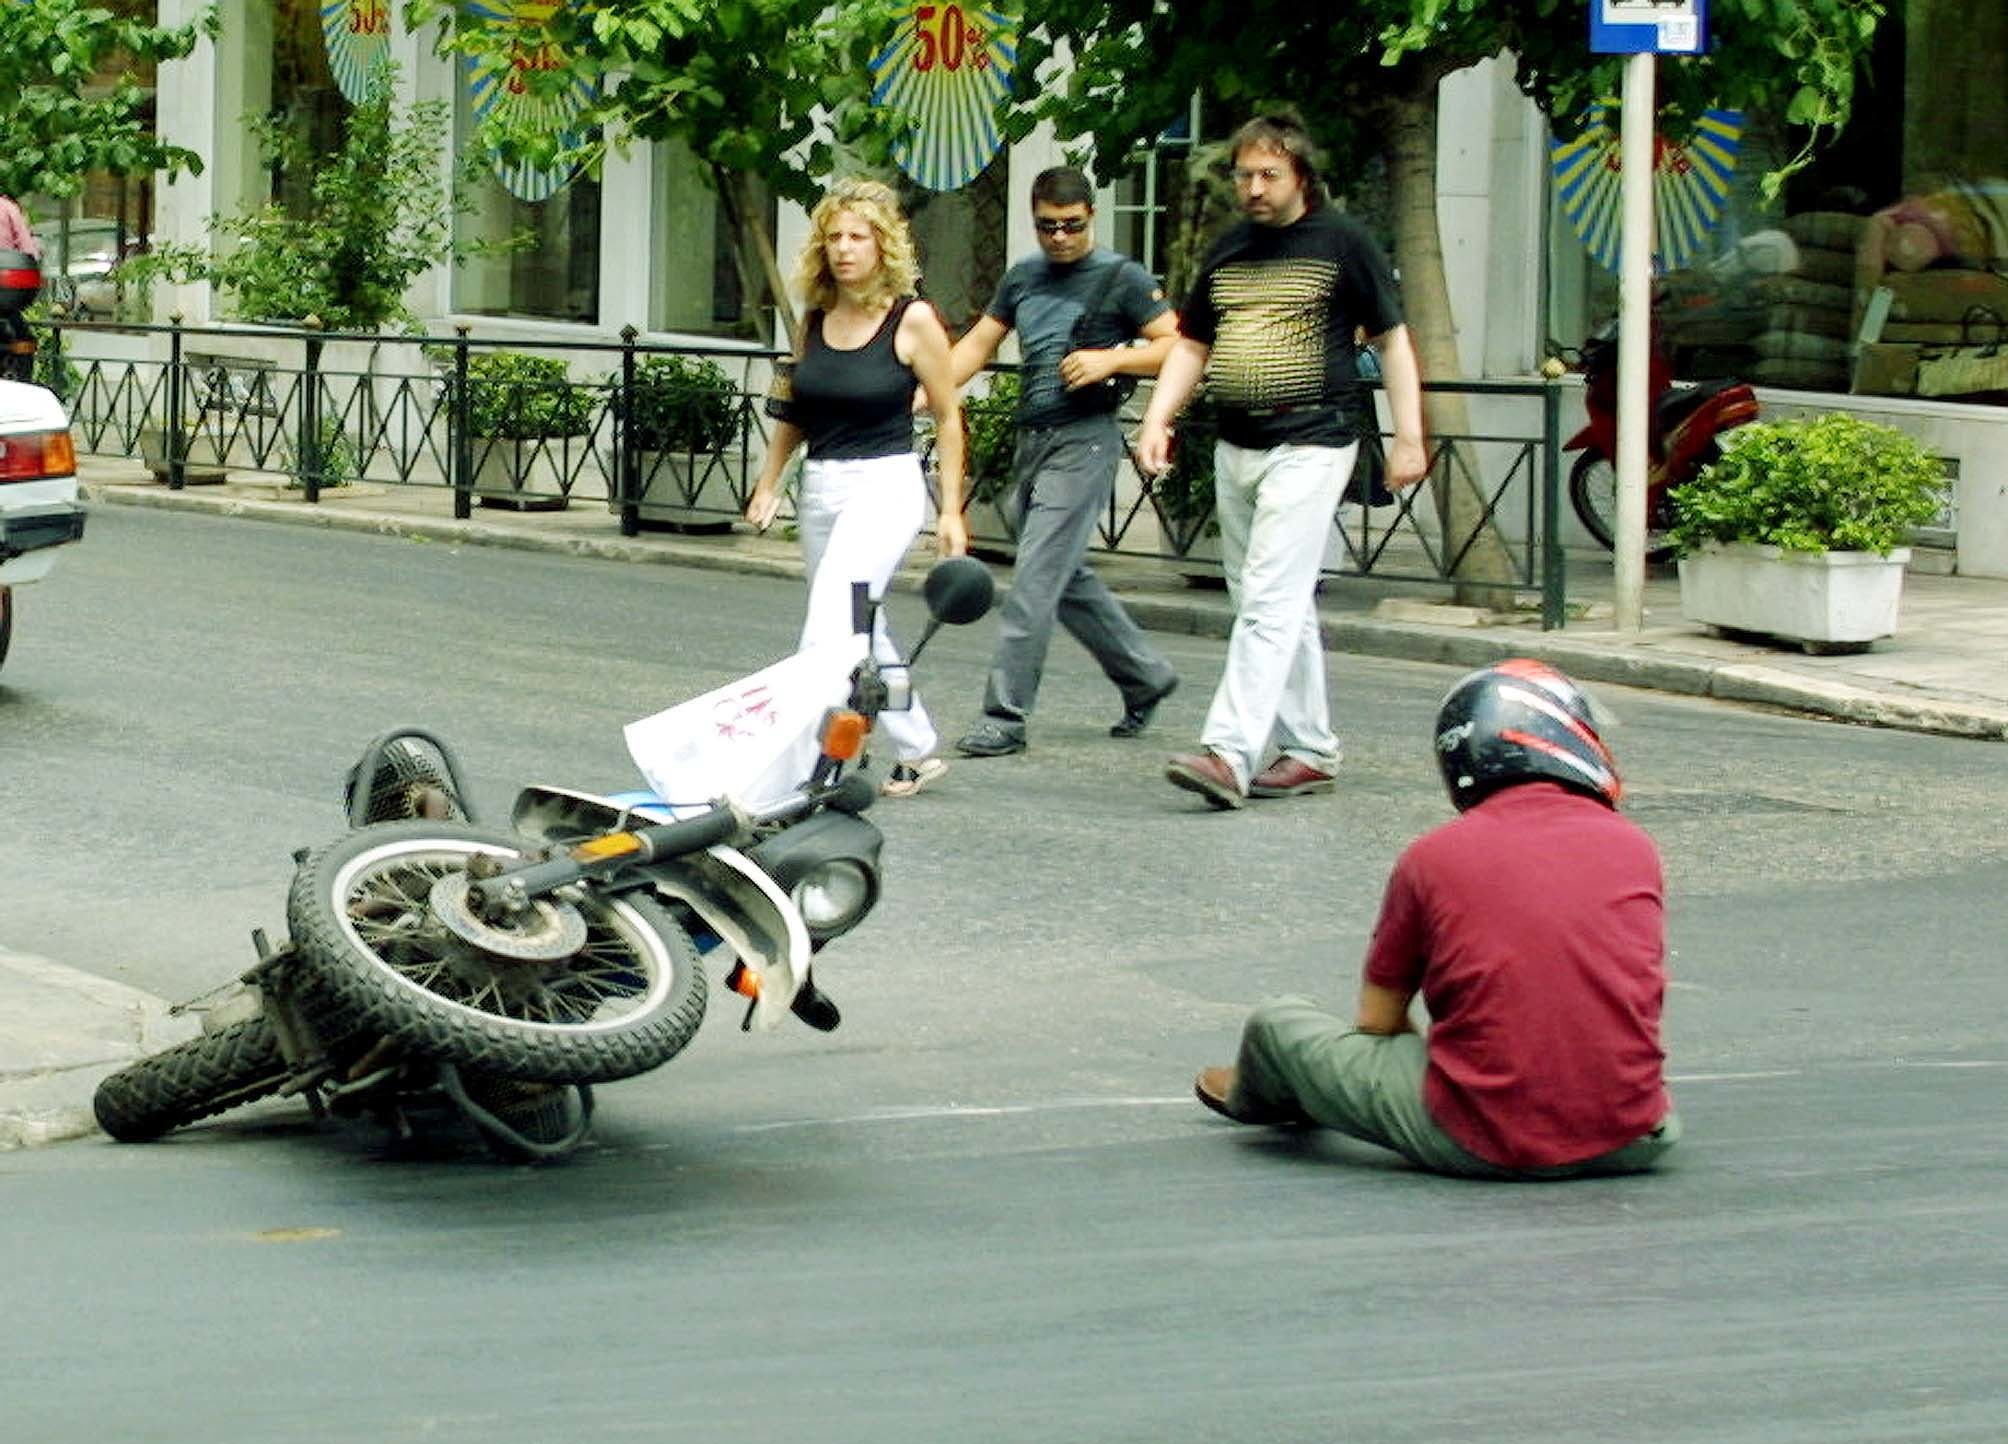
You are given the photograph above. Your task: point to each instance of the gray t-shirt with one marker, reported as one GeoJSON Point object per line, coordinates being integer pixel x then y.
{"type": "Point", "coordinates": [1043, 301]}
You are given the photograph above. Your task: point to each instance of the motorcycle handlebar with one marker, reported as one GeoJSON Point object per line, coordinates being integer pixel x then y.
{"type": "Point", "coordinates": [511, 891]}
{"type": "Point", "coordinates": [692, 834]}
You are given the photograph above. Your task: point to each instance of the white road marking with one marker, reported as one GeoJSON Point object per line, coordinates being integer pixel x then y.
{"type": "Point", "coordinates": [967, 1110]}
{"type": "Point", "coordinates": [925, 1113]}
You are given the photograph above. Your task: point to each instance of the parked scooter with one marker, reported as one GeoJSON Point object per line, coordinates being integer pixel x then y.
{"type": "Point", "coordinates": [1682, 440]}
{"type": "Point", "coordinates": [20, 283]}
{"type": "Point", "coordinates": [499, 974]}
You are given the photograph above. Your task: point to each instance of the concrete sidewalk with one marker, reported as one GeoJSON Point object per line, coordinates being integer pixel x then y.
{"type": "Point", "coordinates": [1945, 672]}
{"type": "Point", "coordinates": [61, 1031]}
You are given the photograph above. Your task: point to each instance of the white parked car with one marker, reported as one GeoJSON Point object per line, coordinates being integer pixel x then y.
{"type": "Point", "coordinates": [39, 511]}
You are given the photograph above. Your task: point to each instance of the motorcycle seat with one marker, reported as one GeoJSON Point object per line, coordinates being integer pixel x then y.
{"type": "Point", "coordinates": [1676, 406]}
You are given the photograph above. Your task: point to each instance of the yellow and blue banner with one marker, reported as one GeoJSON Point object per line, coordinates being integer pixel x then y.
{"type": "Point", "coordinates": [1690, 185]}
{"type": "Point", "coordinates": [504, 89]}
{"type": "Point", "coordinates": [948, 66]}
{"type": "Point", "coordinates": [358, 36]}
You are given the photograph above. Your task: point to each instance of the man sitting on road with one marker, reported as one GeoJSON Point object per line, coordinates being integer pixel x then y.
{"type": "Point", "coordinates": [1533, 927]}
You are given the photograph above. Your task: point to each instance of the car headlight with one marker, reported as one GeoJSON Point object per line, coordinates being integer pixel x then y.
{"type": "Point", "coordinates": [834, 895]}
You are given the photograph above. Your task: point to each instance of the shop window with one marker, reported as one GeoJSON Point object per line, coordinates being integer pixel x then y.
{"type": "Point", "coordinates": [960, 235]}
{"type": "Point", "coordinates": [1149, 204]}
{"type": "Point", "coordinates": [690, 224]}
{"type": "Point", "coordinates": [542, 257]}
{"type": "Point", "coordinates": [308, 110]}
{"type": "Point", "coordinates": [1778, 293]}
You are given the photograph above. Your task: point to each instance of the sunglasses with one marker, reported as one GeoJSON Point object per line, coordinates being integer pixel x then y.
{"type": "Point", "coordinates": [1072, 227]}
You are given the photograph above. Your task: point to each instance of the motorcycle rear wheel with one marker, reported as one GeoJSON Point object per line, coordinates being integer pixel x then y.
{"type": "Point", "coordinates": [1593, 492]}
{"type": "Point", "coordinates": [206, 1075]}
{"type": "Point", "coordinates": [378, 960]}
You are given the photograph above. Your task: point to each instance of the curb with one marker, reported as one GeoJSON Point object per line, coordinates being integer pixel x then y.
{"type": "Point", "coordinates": [1752, 683]}
{"type": "Point", "coordinates": [708, 556]}
{"type": "Point", "coordinates": [64, 1031]}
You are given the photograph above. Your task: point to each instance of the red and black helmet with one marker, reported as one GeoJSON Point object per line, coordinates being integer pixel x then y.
{"type": "Point", "coordinates": [1521, 721]}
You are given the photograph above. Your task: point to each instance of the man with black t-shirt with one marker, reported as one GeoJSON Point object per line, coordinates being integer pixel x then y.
{"type": "Point", "coordinates": [1076, 310]}
{"type": "Point", "coordinates": [1270, 325]}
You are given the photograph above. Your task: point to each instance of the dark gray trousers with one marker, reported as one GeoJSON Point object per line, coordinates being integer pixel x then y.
{"type": "Point", "coordinates": [1064, 477]}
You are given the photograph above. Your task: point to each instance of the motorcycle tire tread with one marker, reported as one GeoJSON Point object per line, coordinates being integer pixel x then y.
{"type": "Point", "coordinates": [191, 1081]}
{"type": "Point", "coordinates": [344, 993]}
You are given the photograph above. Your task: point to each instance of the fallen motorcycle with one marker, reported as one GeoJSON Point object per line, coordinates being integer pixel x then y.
{"type": "Point", "coordinates": [498, 974]}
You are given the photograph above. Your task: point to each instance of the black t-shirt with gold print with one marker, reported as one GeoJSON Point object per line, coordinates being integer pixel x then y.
{"type": "Point", "coordinates": [1277, 305]}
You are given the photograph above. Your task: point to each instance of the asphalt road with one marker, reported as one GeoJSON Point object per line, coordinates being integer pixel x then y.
{"type": "Point", "coordinates": [986, 1208]}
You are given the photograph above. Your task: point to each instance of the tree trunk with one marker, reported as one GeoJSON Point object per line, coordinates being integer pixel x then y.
{"type": "Point", "coordinates": [1410, 127]}
{"type": "Point", "coordinates": [735, 189]}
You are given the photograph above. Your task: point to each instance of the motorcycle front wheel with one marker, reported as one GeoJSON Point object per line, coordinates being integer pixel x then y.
{"type": "Point", "coordinates": [379, 958]}
{"type": "Point", "coordinates": [239, 1064]}
{"type": "Point", "coordinates": [1593, 492]}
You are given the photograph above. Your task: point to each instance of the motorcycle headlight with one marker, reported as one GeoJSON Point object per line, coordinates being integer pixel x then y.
{"type": "Point", "coordinates": [834, 895]}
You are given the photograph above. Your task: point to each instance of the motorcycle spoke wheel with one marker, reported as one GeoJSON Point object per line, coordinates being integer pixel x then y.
{"type": "Point", "coordinates": [1593, 492]}
{"type": "Point", "coordinates": [381, 959]}
{"type": "Point", "coordinates": [192, 1080]}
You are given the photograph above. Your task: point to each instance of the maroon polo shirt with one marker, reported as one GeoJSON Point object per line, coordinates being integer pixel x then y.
{"type": "Point", "coordinates": [1533, 927]}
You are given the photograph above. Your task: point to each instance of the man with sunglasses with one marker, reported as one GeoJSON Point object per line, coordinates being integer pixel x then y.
{"type": "Point", "coordinates": [1078, 311]}
{"type": "Point", "coordinates": [1270, 325]}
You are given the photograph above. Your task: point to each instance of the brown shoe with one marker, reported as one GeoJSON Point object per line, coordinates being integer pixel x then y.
{"type": "Point", "coordinates": [1287, 777]}
{"type": "Point", "coordinates": [1206, 774]}
{"type": "Point", "coordinates": [1212, 1086]}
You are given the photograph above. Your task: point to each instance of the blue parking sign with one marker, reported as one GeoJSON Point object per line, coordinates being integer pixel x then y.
{"type": "Point", "coordinates": [1648, 27]}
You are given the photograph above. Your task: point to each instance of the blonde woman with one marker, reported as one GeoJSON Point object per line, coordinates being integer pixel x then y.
{"type": "Point", "coordinates": [866, 342]}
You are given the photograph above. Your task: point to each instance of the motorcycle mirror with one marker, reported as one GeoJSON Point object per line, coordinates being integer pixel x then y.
{"type": "Point", "coordinates": [959, 590]}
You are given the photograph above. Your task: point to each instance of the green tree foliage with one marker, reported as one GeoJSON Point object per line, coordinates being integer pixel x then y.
{"type": "Point", "coordinates": [378, 214]}
{"type": "Point", "coordinates": [57, 123]}
{"type": "Point", "coordinates": [1120, 70]}
{"type": "Point", "coordinates": [762, 92]}
{"type": "Point", "coordinates": [1365, 77]}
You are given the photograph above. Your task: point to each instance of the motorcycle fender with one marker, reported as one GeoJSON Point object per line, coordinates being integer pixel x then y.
{"type": "Point", "coordinates": [754, 918]}
{"type": "Point", "coordinates": [239, 1005]}
{"type": "Point", "coordinates": [1581, 439]}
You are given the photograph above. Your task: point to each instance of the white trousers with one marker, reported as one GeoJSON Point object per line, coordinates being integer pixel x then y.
{"type": "Point", "coordinates": [1275, 509]}
{"type": "Point", "coordinates": [857, 520]}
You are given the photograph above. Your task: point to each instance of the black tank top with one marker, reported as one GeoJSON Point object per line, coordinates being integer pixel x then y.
{"type": "Point", "coordinates": [853, 405]}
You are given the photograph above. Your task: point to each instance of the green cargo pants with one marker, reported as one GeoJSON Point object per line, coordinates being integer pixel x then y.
{"type": "Point", "coordinates": [1299, 1064]}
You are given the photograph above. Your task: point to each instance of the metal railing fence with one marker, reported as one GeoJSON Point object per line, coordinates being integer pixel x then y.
{"type": "Point", "coordinates": [322, 409]}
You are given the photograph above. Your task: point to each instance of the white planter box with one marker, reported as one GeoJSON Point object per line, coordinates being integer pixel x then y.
{"type": "Point", "coordinates": [524, 475]}
{"type": "Point", "coordinates": [679, 490]}
{"type": "Point", "coordinates": [1822, 599]}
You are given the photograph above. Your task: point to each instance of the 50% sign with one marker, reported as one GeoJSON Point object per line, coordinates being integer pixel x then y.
{"type": "Point", "coordinates": [946, 68]}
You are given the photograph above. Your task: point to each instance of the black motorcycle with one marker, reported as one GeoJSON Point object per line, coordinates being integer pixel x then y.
{"type": "Point", "coordinates": [435, 963]}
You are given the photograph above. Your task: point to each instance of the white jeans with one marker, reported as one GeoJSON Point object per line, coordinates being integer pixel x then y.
{"type": "Point", "coordinates": [857, 520]}
{"type": "Point", "coordinates": [1275, 508]}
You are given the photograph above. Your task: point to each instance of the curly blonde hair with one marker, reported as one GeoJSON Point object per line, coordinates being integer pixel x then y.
{"type": "Point", "coordinates": [876, 204]}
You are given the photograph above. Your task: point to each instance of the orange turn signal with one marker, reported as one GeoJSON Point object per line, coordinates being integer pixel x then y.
{"type": "Point", "coordinates": [745, 982]}
{"type": "Point", "coordinates": [612, 844]}
{"type": "Point", "coordinates": [844, 734]}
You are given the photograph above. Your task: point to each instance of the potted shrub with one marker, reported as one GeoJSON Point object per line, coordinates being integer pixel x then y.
{"type": "Point", "coordinates": [686, 414]}
{"type": "Point", "coordinates": [1795, 532]}
{"type": "Point", "coordinates": [529, 424]}
{"type": "Point", "coordinates": [990, 429]}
